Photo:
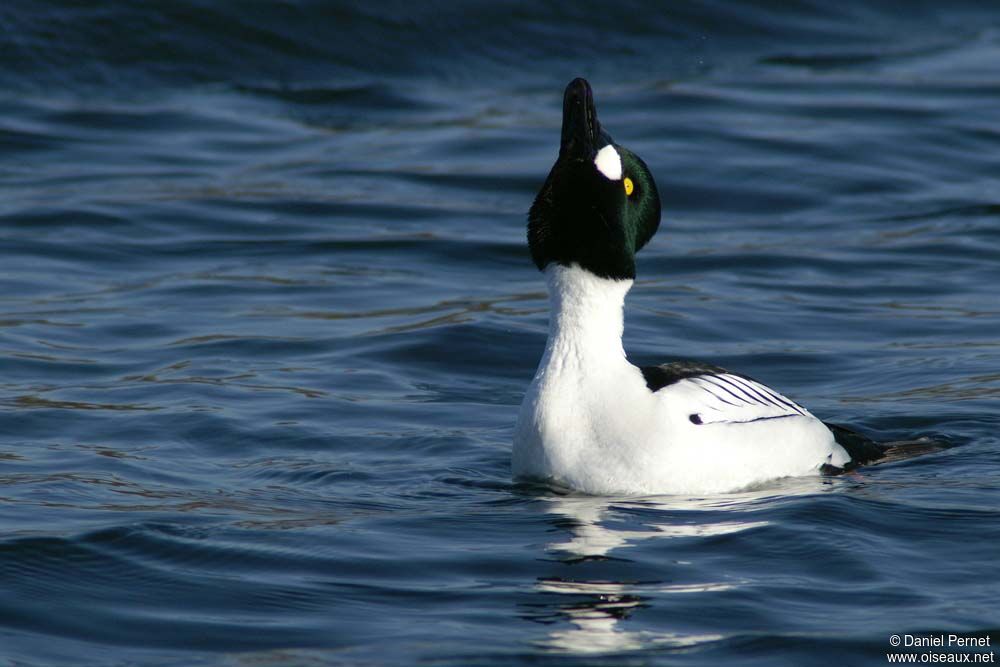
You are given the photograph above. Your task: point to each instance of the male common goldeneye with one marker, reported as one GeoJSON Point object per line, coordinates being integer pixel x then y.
{"type": "Point", "coordinates": [592, 421]}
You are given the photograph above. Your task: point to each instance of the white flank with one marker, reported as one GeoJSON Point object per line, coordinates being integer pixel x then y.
{"type": "Point", "coordinates": [589, 422]}
{"type": "Point", "coordinates": [609, 163]}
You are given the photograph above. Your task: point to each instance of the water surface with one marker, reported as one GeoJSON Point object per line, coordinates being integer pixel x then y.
{"type": "Point", "coordinates": [267, 313]}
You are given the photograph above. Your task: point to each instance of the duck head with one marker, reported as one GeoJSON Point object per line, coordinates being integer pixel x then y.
{"type": "Point", "coordinates": [599, 204]}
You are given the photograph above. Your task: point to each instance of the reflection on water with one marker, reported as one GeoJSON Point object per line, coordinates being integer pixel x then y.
{"type": "Point", "coordinates": [597, 610]}
{"type": "Point", "coordinates": [592, 535]}
{"type": "Point", "coordinates": [602, 529]}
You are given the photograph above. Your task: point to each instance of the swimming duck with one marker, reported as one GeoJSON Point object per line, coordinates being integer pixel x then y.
{"type": "Point", "coordinates": [592, 421]}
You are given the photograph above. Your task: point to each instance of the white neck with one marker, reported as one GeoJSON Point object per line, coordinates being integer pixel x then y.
{"type": "Point", "coordinates": [586, 394]}
{"type": "Point", "coordinates": [586, 319]}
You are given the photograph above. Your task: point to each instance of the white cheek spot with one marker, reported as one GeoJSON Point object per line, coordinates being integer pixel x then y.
{"type": "Point", "coordinates": [609, 163]}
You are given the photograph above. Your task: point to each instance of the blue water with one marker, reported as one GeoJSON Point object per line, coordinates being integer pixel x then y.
{"type": "Point", "coordinates": [267, 313]}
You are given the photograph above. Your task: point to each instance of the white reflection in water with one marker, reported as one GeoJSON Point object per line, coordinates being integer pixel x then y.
{"type": "Point", "coordinates": [596, 528]}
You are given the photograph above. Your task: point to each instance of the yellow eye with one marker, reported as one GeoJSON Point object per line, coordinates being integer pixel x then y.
{"type": "Point", "coordinates": [628, 187]}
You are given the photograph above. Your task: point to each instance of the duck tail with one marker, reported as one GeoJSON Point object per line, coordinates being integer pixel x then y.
{"type": "Point", "coordinates": [864, 451]}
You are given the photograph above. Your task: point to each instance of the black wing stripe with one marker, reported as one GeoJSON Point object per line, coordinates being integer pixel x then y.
{"type": "Point", "coordinates": [697, 420]}
{"type": "Point", "coordinates": [713, 380]}
{"type": "Point", "coordinates": [742, 391]}
{"type": "Point", "coordinates": [753, 396]}
{"type": "Point", "coordinates": [760, 389]}
{"type": "Point", "coordinates": [755, 390]}
{"type": "Point", "coordinates": [762, 419]}
{"type": "Point", "coordinates": [715, 395]}
{"type": "Point", "coordinates": [791, 404]}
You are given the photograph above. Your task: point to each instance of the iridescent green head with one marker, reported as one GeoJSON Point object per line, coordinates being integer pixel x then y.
{"type": "Point", "coordinates": [599, 204]}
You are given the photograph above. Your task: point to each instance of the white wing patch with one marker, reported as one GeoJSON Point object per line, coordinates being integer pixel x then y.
{"type": "Point", "coordinates": [726, 398]}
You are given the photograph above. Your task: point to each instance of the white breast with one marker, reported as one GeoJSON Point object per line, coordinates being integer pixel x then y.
{"type": "Point", "coordinates": [589, 422]}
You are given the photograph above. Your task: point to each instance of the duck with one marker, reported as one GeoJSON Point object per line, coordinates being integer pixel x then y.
{"type": "Point", "coordinates": [593, 422]}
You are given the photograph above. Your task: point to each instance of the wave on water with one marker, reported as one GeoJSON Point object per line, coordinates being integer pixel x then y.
{"type": "Point", "coordinates": [267, 313]}
{"type": "Point", "coordinates": [133, 48]}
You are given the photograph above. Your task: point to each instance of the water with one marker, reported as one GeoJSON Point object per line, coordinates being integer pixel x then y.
{"type": "Point", "coordinates": [266, 315]}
